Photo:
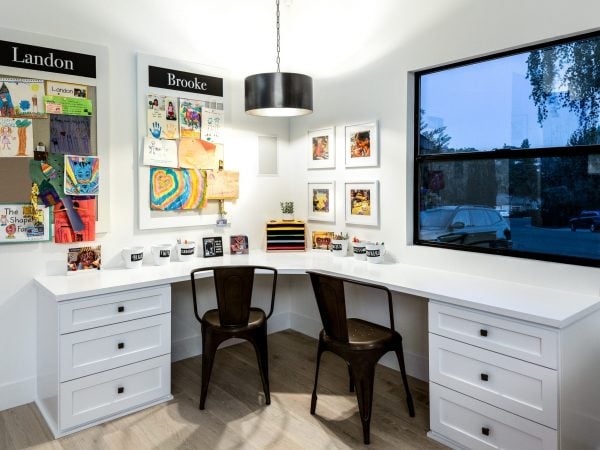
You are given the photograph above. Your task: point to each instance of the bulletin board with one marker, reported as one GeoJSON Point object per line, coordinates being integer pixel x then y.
{"type": "Point", "coordinates": [171, 150]}
{"type": "Point", "coordinates": [15, 181]}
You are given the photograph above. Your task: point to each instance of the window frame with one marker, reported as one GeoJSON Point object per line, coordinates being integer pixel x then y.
{"type": "Point", "coordinates": [494, 154]}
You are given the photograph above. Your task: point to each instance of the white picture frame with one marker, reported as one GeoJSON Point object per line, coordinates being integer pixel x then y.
{"type": "Point", "coordinates": [361, 147]}
{"type": "Point", "coordinates": [321, 202]}
{"type": "Point", "coordinates": [321, 148]}
{"type": "Point", "coordinates": [362, 203]}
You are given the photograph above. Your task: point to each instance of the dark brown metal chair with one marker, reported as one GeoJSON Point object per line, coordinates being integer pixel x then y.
{"type": "Point", "coordinates": [234, 318]}
{"type": "Point", "coordinates": [360, 343]}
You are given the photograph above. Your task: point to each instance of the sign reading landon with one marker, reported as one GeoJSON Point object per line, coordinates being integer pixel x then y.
{"type": "Point", "coordinates": [184, 81]}
{"type": "Point", "coordinates": [14, 54]}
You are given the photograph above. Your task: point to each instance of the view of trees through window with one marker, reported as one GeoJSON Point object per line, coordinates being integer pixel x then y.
{"type": "Point", "coordinates": [508, 153]}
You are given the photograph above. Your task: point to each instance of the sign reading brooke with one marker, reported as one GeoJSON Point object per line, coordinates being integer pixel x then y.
{"type": "Point", "coordinates": [14, 54]}
{"type": "Point", "coordinates": [184, 81]}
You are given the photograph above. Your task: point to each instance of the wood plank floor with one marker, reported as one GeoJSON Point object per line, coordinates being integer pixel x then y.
{"type": "Point", "coordinates": [235, 415]}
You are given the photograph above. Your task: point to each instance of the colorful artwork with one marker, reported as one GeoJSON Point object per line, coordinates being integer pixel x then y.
{"type": "Point", "coordinates": [70, 135]}
{"type": "Point", "coordinates": [239, 245]}
{"type": "Point", "coordinates": [162, 117]}
{"type": "Point", "coordinates": [19, 223]}
{"type": "Point", "coordinates": [16, 137]}
{"type": "Point", "coordinates": [177, 189]}
{"type": "Point", "coordinates": [66, 89]}
{"type": "Point", "coordinates": [213, 122]}
{"type": "Point", "coordinates": [160, 152]}
{"type": "Point", "coordinates": [321, 239]}
{"type": "Point", "coordinates": [360, 201]}
{"type": "Point", "coordinates": [81, 259]}
{"type": "Point", "coordinates": [63, 228]}
{"type": "Point", "coordinates": [199, 154]}
{"type": "Point", "coordinates": [72, 106]}
{"type": "Point", "coordinates": [320, 148]}
{"type": "Point", "coordinates": [190, 118]}
{"type": "Point", "coordinates": [223, 185]}
{"type": "Point", "coordinates": [82, 175]}
{"type": "Point", "coordinates": [20, 97]}
{"type": "Point", "coordinates": [320, 200]}
{"type": "Point", "coordinates": [361, 145]}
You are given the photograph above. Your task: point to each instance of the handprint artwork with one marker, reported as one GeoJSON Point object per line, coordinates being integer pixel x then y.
{"type": "Point", "coordinates": [161, 117]}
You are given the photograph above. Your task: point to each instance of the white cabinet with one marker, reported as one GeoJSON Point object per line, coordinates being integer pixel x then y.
{"type": "Point", "coordinates": [102, 356]}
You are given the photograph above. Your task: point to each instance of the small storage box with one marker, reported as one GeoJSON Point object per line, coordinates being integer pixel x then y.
{"type": "Point", "coordinates": [286, 235]}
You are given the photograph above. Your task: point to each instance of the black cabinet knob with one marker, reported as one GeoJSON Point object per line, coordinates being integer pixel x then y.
{"type": "Point", "coordinates": [484, 377]}
{"type": "Point", "coordinates": [485, 431]}
{"type": "Point", "coordinates": [483, 332]}
{"type": "Point", "coordinates": [120, 390]}
{"type": "Point", "coordinates": [121, 346]}
{"type": "Point", "coordinates": [121, 309]}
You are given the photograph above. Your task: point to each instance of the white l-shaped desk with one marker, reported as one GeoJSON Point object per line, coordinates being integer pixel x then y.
{"type": "Point", "coordinates": [510, 365]}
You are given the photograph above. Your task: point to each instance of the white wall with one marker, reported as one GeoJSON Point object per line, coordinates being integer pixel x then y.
{"type": "Point", "coordinates": [359, 53]}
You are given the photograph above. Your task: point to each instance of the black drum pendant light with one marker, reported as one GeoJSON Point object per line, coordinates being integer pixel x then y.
{"type": "Point", "coordinates": [278, 94]}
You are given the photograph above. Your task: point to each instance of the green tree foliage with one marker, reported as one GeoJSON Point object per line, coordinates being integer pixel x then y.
{"type": "Point", "coordinates": [437, 138]}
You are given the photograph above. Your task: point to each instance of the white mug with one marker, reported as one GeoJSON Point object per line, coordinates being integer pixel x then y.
{"type": "Point", "coordinates": [339, 247]}
{"type": "Point", "coordinates": [133, 257]}
{"type": "Point", "coordinates": [375, 253]}
{"type": "Point", "coordinates": [359, 249]}
{"type": "Point", "coordinates": [161, 254]}
{"type": "Point", "coordinates": [185, 252]}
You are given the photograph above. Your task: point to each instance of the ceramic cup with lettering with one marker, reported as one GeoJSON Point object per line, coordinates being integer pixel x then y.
{"type": "Point", "coordinates": [185, 252]}
{"type": "Point", "coordinates": [133, 257]}
{"type": "Point", "coordinates": [161, 254]}
{"type": "Point", "coordinates": [375, 253]}
{"type": "Point", "coordinates": [339, 247]}
{"type": "Point", "coordinates": [359, 249]}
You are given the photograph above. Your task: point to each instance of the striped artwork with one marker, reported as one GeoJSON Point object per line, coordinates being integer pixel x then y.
{"type": "Point", "coordinates": [177, 189]}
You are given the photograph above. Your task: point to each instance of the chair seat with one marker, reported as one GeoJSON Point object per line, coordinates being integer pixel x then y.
{"type": "Point", "coordinates": [257, 318]}
{"type": "Point", "coordinates": [364, 335]}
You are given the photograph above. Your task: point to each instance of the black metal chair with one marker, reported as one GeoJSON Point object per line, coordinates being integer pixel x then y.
{"type": "Point", "coordinates": [360, 343]}
{"type": "Point", "coordinates": [234, 318]}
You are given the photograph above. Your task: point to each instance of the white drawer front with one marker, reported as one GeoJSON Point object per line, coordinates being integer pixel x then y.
{"type": "Point", "coordinates": [466, 421]}
{"type": "Point", "coordinates": [512, 338]}
{"type": "Point", "coordinates": [113, 308]}
{"type": "Point", "coordinates": [523, 388]}
{"type": "Point", "coordinates": [109, 393]}
{"type": "Point", "coordinates": [92, 351]}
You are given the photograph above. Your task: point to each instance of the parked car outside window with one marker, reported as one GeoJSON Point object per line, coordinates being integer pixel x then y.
{"type": "Point", "coordinates": [589, 220]}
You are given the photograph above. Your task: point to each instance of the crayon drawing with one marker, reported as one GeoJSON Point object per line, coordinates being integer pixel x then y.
{"type": "Point", "coordinates": [213, 121]}
{"type": "Point", "coordinates": [16, 137]}
{"type": "Point", "coordinates": [70, 135]}
{"type": "Point", "coordinates": [190, 117]}
{"type": "Point", "coordinates": [82, 175]}
{"type": "Point", "coordinates": [199, 154]}
{"type": "Point", "coordinates": [20, 97]}
{"type": "Point", "coordinates": [160, 152]}
{"type": "Point", "coordinates": [177, 189]}
{"type": "Point", "coordinates": [63, 230]}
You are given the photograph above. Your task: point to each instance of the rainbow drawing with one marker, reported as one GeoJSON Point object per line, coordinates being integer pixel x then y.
{"type": "Point", "coordinates": [176, 189]}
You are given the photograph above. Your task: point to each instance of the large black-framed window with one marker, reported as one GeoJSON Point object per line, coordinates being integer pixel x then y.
{"type": "Point", "coordinates": [507, 153]}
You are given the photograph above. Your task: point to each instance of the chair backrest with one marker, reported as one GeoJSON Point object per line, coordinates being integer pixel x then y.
{"type": "Point", "coordinates": [233, 286]}
{"type": "Point", "coordinates": [329, 292]}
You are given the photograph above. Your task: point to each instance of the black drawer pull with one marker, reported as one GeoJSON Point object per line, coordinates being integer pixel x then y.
{"type": "Point", "coordinates": [485, 431]}
{"type": "Point", "coordinates": [121, 309]}
{"type": "Point", "coordinates": [483, 332]}
{"type": "Point", "coordinates": [121, 346]}
{"type": "Point", "coordinates": [484, 377]}
{"type": "Point", "coordinates": [120, 390]}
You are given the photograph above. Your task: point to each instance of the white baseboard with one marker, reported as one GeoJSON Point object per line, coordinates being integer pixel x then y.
{"type": "Point", "coordinates": [192, 345]}
{"type": "Point", "coordinates": [17, 393]}
{"type": "Point", "coordinates": [417, 366]}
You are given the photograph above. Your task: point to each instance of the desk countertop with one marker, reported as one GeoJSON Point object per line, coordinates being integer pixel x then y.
{"type": "Point", "coordinates": [535, 304]}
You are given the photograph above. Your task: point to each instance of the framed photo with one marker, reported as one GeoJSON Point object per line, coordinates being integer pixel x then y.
{"type": "Point", "coordinates": [362, 145]}
{"type": "Point", "coordinates": [321, 202]}
{"type": "Point", "coordinates": [321, 148]}
{"type": "Point", "coordinates": [212, 246]}
{"type": "Point", "coordinates": [239, 244]}
{"type": "Point", "coordinates": [321, 239]}
{"type": "Point", "coordinates": [362, 203]}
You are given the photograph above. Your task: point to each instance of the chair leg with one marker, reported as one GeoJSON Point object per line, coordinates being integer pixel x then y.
{"type": "Point", "coordinates": [209, 349]}
{"type": "Point", "coordinates": [262, 357]}
{"type": "Point", "coordinates": [364, 376]}
{"type": "Point", "coordinates": [351, 378]}
{"type": "Point", "coordinates": [313, 402]}
{"type": "Point", "coordinates": [409, 399]}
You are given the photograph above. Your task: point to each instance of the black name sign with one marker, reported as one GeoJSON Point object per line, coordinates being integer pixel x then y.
{"type": "Point", "coordinates": [13, 54]}
{"type": "Point", "coordinates": [184, 81]}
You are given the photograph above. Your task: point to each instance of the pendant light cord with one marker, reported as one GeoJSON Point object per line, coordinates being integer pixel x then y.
{"type": "Point", "coordinates": [278, 38]}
